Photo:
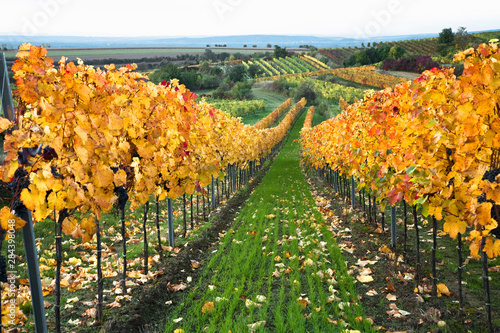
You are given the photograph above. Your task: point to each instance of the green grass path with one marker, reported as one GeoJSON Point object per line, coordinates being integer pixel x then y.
{"type": "Point", "coordinates": [280, 265]}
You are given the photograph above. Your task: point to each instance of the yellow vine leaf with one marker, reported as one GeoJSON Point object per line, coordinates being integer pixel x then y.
{"type": "Point", "coordinates": [6, 216]}
{"type": "Point", "coordinates": [454, 225]}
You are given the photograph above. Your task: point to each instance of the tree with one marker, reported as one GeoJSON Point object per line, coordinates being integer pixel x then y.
{"type": "Point", "coordinates": [191, 79]}
{"type": "Point", "coordinates": [305, 90]}
{"type": "Point", "coordinates": [169, 72]}
{"type": "Point", "coordinates": [280, 52]}
{"type": "Point", "coordinates": [237, 73]}
{"type": "Point", "coordinates": [241, 90]}
{"type": "Point", "coordinates": [209, 55]}
{"type": "Point", "coordinates": [446, 36]}
{"type": "Point", "coordinates": [462, 38]}
{"type": "Point", "coordinates": [217, 71]}
{"type": "Point", "coordinates": [382, 52]}
{"type": "Point", "coordinates": [445, 44]}
{"type": "Point", "coordinates": [205, 67]}
{"type": "Point", "coordinates": [253, 70]}
{"type": "Point", "coordinates": [396, 52]}
{"type": "Point", "coordinates": [269, 46]}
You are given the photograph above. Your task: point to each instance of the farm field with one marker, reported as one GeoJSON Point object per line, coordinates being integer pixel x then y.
{"type": "Point", "coordinates": [139, 53]}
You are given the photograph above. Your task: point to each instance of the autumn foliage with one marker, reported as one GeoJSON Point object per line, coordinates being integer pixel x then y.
{"type": "Point", "coordinates": [101, 129]}
{"type": "Point", "coordinates": [428, 142]}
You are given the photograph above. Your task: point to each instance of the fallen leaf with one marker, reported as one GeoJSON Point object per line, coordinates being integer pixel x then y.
{"type": "Point", "coordinates": [207, 307]}
{"type": "Point", "coordinates": [74, 322]}
{"type": "Point", "coordinates": [74, 261]}
{"type": "Point", "coordinates": [256, 325]}
{"type": "Point", "coordinates": [385, 249]}
{"type": "Point", "coordinates": [391, 297]}
{"type": "Point", "coordinates": [304, 302]}
{"type": "Point", "coordinates": [261, 298]}
{"type": "Point", "coordinates": [249, 303]}
{"type": "Point", "coordinates": [176, 287]}
{"type": "Point", "coordinates": [364, 278]}
{"type": "Point", "coordinates": [195, 264]}
{"type": "Point", "coordinates": [390, 287]}
{"type": "Point", "coordinates": [442, 289]}
{"type": "Point", "coordinates": [90, 313]}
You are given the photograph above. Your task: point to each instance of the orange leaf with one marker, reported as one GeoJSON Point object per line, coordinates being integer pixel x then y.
{"type": "Point", "coordinates": [442, 289]}
{"type": "Point", "coordinates": [207, 307]}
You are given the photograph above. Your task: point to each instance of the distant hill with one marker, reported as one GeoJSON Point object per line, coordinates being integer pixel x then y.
{"type": "Point", "coordinates": [229, 41]}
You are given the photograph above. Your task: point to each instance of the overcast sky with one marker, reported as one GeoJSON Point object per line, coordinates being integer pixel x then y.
{"type": "Point", "coordinates": [345, 18]}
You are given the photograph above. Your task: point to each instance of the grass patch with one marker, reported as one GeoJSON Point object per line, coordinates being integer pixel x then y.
{"type": "Point", "coordinates": [281, 266]}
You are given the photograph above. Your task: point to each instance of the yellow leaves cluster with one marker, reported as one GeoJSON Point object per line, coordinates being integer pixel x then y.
{"type": "Point", "coordinates": [428, 142]}
{"type": "Point", "coordinates": [105, 128]}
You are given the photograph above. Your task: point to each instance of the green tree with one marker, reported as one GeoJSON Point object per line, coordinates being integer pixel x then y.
{"type": "Point", "coordinates": [382, 52]}
{"type": "Point", "coordinates": [462, 38]}
{"type": "Point", "coordinates": [237, 73]}
{"type": "Point", "coordinates": [446, 36]}
{"type": "Point", "coordinates": [446, 43]}
{"type": "Point", "coordinates": [191, 79]}
{"type": "Point", "coordinates": [305, 90]}
{"type": "Point", "coordinates": [241, 90]}
{"type": "Point", "coordinates": [253, 70]}
{"type": "Point", "coordinates": [280, 52]}
{"type": "Point", "coordinates": [396, 52]}
{"type": "Point", "coordinates": [205, 67]}
{"type": "Point", "coordinates": [169, 72]}
{"type": "Point", "coordinates": [216, 70]}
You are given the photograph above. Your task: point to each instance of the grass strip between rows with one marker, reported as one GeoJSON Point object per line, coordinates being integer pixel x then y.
{"type": "Point", "coordinates": [279, 271]}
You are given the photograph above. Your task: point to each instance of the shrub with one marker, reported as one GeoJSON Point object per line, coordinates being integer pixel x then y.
{"type": "Point", "coordinates": [410, 64]}
{"type": "Point", "coordinates": [241, 90]}
{"type": "Point", "coordinates": [305, 90]}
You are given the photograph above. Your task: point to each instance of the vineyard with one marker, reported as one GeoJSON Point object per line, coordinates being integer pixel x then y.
{"type": "Point", "coordinates": [367, 76]}
{"type": "Point", "coordinates": [413, 47]}
{"type": "Point", "coordinates": [287, 66]}
{"type": "Point", "coordinates": [432, 144]}
{"type": "Point", "coordinates": [155, 211]}
{"type": "Point", "coordinates": [236, 108]}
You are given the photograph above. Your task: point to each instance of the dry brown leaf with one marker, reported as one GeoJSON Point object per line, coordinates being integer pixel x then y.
{"type": "Point", "coordinates": [176, 287]}
{"type": "Point", "coordinates": [391, 297]}
{"type": "Point", "coordinates": [390, 287]}
{"type": "Point", "coordinates": [90, 313]}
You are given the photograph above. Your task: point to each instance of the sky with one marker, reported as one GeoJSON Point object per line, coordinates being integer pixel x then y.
{"type": "Point", "coordinates": [345, 18]}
